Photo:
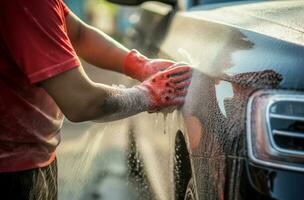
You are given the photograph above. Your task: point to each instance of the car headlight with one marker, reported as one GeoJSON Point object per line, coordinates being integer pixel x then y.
{"type": "Point", "coordinates": [275, 129]}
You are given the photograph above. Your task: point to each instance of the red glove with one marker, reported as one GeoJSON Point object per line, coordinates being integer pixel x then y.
{"type": "Point", "coordinates": [140, 67]}
{"type": "Point", "coordinates": [167, 88]}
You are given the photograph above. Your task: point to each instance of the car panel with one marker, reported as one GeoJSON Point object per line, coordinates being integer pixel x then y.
{"type": "Point", "coordinates": [281, 20]}
{"type": "Point", "coordinates": [233, 56]}
{"type": "Point", "coordinates": [231, 51]}
{"type": "Point", "coordinates": [271, 183]}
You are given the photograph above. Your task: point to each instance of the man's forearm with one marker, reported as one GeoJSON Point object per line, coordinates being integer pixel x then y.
{"type": "Point", "coordinates": [94, 46]}
{"type": "Point", "coordinates": [122, 103]}
{"type": "Point", "coordinates": [100, 50]}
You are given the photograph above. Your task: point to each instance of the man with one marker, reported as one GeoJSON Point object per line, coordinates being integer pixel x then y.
{"type": "Point", "coordinates": [40, 76]}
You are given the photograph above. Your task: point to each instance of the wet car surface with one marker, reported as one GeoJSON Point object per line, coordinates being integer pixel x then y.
{"type": "Point", "coordinates": [236, 142]}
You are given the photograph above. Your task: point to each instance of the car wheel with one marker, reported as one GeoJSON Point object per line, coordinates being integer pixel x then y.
{"type": "Point", "coordinates": [190, 191]}
{"type": "Point", "coordinates": [182, 167]}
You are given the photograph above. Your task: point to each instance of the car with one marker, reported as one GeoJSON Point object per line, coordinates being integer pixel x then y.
{"type": "Point", "coordinates": [240, 134]}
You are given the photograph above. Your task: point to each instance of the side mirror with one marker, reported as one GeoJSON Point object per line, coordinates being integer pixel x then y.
{"type": "Point", "coordinates": [138, 2]}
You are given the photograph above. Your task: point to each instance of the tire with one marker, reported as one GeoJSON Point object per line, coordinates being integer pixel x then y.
{"type": "Point", "coordinates": [182, 167]}
{"type": "Point", "coordinates": [190, 191]}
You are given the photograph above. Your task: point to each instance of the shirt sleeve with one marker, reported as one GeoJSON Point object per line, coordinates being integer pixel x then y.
{"type": "Point", "coordinates": [66, 9]}
{"type": "Point", "coordinates": [36, 36]}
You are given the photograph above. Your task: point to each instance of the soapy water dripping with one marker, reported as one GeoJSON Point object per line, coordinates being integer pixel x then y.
{"type": "Point", "coordinates": [94, 163]}
{"type": "Point", "coordinates": [76, 161]}
{"type": "Point", "coordinates": [187, 59]}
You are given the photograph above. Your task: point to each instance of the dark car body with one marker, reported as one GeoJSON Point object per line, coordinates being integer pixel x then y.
{"type": "Point", "coordinates": [240, 133]}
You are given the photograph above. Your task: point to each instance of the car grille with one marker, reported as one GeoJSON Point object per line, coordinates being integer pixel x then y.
{"type": "Point", "coordinates": [275, 129]}
{"type": "Point", "coordinates": [286, 125]}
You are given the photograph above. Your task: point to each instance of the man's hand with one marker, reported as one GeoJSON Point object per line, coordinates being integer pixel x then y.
{"type": "Point", "coordinates": [140, 67]}
{"type": "Point", "coordinates": [167, 88]}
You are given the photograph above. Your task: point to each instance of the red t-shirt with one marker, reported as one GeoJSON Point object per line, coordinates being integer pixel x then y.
{"type": "Point", "coordinates": [34, 46]}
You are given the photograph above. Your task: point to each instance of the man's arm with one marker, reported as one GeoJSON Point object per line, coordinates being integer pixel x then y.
{"type": "Point", "coordinates": [94, 46]}
{"type": "Point", "coordinates": [97, 48]}
{"type": "Point", "coordinates": [80, 99]}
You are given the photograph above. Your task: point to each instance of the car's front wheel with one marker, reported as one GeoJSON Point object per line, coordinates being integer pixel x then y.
{"type": "Point", "coordinates": [182, 167]}
{"type": "Point", "coordinates": [190, 191]}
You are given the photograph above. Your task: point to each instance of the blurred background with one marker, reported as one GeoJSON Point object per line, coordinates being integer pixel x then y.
{"type": "Point", "coordinates": [111, 19]}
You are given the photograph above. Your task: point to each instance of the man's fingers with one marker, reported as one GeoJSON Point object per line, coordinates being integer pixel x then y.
{"type": "Point", "coordinates": [181, 92]}
{"type": "Point", "coordinates": [160, 65]}
{"type": "Point", "coordinates": [177, 101]}
{"type": "Point", "coordinates": [182, 77]}
{"type": "Point", "coordinates": [179, 64]}
{"type": "Point", "coordinates": [169, 87]}
{"type": "Point", "coordinates": [183, 84]}
{"type": "Point", "coordinates": [174, 71]}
